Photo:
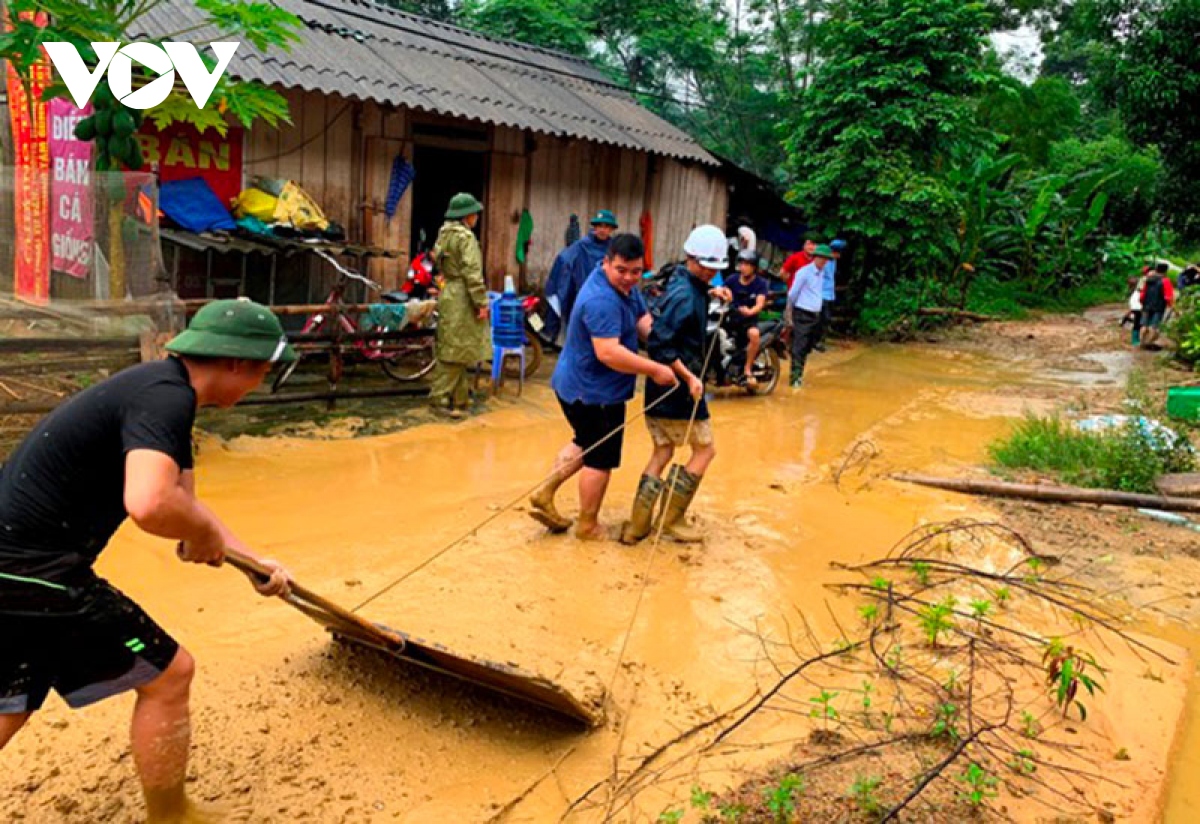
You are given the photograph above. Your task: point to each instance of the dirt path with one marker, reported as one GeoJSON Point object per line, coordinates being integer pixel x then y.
{"type": "Point", "coordinates": [293, 728]}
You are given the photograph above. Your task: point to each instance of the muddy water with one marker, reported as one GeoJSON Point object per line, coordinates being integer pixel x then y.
{"type": "Point", "coordinates": [292, 729]}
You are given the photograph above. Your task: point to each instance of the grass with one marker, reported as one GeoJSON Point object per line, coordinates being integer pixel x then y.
{"type": "Point", "coordinates": [1122, 458]}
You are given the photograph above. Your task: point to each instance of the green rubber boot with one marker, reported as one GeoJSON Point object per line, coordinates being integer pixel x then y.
{"type": "Point", "coordinates": [638, 525]}
{"type": "Point", "coordinates": [677, 496]}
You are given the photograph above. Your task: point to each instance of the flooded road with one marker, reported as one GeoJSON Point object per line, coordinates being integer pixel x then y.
{"type": "Point", "coordinates": [290, 727]}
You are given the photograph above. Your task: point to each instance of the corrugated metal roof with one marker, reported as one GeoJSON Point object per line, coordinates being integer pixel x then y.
{"type": "Point", "coordinates": [363, 50]}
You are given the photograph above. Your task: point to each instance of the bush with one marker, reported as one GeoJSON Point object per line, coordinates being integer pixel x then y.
{"type": "Point", "coordinates": [1127, 458]}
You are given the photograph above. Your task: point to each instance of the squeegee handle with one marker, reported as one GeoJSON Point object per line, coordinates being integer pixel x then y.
{"type": "Point", "coordinates": [253, 568]}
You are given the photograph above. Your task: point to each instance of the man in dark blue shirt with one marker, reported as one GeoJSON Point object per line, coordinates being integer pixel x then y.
{"type": "Point", "coordinates": [596, 374]}
{"type": "Point", "coordinates": [748, 292]}
{"type": "Point", "coordinates": [675, 419]}
{"type": "Point", "coordinates": [571, 270]}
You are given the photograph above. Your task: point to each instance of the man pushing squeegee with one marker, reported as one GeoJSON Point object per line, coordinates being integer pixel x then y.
{"type": "Point", "coordinates": [123, 448]}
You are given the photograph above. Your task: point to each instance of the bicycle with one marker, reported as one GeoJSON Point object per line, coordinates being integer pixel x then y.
{"type": "Point", "coordinates": [404, 359]}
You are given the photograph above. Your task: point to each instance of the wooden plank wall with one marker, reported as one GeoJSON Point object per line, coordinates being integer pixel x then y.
{"type": "Point", "coordinates": [504, 203]}
{"type": "Point", "coordinates": [683, 195]}
{"type": "Point", "coordinates": [563, 176]}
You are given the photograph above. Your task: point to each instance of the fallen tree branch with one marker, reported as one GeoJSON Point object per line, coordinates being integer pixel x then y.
{"type": "Point", "coordinates": [1049, 493]}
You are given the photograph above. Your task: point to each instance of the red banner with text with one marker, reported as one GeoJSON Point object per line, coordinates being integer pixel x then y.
{"type": "Point", "coordinates": [182, 152]}
{"type": "Point", "coordinates": [31, 181]}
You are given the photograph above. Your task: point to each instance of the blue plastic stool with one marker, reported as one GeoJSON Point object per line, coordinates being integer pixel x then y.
{"type": "Point", "coordinates": [508, 337]}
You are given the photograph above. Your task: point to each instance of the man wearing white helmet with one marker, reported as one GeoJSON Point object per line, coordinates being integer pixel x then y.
{"type": "Point", "coordinates": [677, 339]}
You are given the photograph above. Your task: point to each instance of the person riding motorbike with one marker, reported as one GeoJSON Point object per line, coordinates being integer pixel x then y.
{"type": "Point", "coordinates": [749, 291]}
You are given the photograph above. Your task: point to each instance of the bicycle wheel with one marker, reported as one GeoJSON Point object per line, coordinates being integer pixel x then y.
{"type": "Point", "coordinates": [409, 361]}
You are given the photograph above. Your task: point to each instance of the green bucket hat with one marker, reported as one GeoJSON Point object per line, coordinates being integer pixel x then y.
{"type": "Point", "coordinates": [605, 216]}
{"type": "Point", "coordinates": [823, 251]}
{"type": "Point", "coordinates": [234, 329]}
{"type": "Point", "coordinates": [463, 204]}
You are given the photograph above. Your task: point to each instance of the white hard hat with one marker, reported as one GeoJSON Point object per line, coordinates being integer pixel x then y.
{"type": "Point", "coordinates": [708, 246]}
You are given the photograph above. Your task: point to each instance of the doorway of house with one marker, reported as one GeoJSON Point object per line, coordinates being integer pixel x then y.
{"type": "Point", "coordinates": [441, 174]}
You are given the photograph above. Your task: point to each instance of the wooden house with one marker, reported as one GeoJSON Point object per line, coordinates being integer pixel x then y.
{"type": "Point", "coordinates": [522, 128]}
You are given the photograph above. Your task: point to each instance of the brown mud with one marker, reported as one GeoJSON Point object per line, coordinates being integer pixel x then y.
{"type": "Point", "coordinates": [293, 727]}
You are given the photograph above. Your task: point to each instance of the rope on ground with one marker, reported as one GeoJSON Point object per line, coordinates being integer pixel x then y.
{"type": "Point", "coordinates": [502, 510]}
{"type": "Point", "coordinates": [662, 523]}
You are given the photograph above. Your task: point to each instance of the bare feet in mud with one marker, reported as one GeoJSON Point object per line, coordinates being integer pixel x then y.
{"type": "Point", "coordinates": [193, 813]}
{"type": "Point", "coordinates": [592, 532]}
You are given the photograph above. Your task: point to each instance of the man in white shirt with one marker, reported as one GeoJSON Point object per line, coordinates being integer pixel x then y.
{"type": "Point", "coordinates": [804, 310]}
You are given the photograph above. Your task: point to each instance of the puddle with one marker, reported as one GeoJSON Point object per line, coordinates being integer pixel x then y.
{"type": "Point", "coordinates": [1093, 369]}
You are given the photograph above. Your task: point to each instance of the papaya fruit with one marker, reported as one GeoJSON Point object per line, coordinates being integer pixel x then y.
{"type": "Point", "coordinates": [136, 161]}
{"type": "Point", "coordinates": [101, 145]}
{"type": "Point", "coordinates": [85, 129]}
{"type": "Point", "coordinates": [122, 123]}
{"type": "Point", "coordinates": [103, 122]}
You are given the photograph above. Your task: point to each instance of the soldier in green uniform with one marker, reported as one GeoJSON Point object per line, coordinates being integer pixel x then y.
{"type": "Point", "coordinates": [462, 306]}
{"type": "Point", "coordinates": [462, 335]}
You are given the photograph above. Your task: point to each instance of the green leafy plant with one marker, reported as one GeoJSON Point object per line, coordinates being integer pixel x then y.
{"type": "Point", "coordinates": [670, 817]}
{"type": "Point", "coordinates": [945, 722]}
{"type": "Point", "coordinates": [824, 708]}
{"type": "Point", "coordinates": [952, 686]}
{"type": "Point", "coordinates": [1128, 458]}
{"type": "Point", "coordinates": [700, 798]}
{"type": "Point", "coordinates": [921, 570]}
{"type": "Point", "coordinates": [980, 608]}
{"type": "Point", "coordinates": [1066, 671]}
{"type": "Point", "coordinates": [1002, 595]}
{"type": "Point", "coordinates": [980, 785]}
{"type": "Point", "coordinates": [869, 613]}
{"type": "Point", "coordinates": [936, 619]}
{"type": "Point", "coordinates": [781, 799]}
{"type": "Point", "coordinates": [865, 792]}
{"type": "Point", "coordinates": [867, 690]}
{"type": "Point", "coordinates": [1030, 728]}
{"type": "Point", "coordinates": [880, 583]}
{"type": "Point", "coordinates": [731, 812]}
{"type": "Point", "coordinates": [1023, 762]}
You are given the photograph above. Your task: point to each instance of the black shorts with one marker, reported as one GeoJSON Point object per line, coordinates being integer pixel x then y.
{"type": "Point", "coordinates": [739, 326]}
{"type": "Point", "coordinates": [87, 644]}
{"type": "Point", "coordinates": [592, 423]}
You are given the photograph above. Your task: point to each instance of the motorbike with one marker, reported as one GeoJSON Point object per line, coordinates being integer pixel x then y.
{"type": "Point", "coordinates": [729, 357]}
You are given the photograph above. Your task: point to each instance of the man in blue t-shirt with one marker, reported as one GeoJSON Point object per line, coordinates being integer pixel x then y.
{"type": "Point", "coordinates": [749, 293]}
{"type": "Point", "coordinates": [596, 374]}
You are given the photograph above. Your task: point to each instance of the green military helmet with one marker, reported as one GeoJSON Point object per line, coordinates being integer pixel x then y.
{"type": "Point", "coordinates": [461, 205]}
{"type": "Point", "coordinates": [823, 251]}
{"type": "Point", "coordinates": [234, 329]}
{"type": "Point", "coordinates": [605, 217]}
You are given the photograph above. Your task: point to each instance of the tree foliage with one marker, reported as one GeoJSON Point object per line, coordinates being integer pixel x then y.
{"type": "Point", "coordinates": [888, 112]}
{"type": "Point", "coordinates": [82, 22]}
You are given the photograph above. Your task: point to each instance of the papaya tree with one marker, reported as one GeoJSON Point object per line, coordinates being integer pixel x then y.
{"type": "Point", "coordinates": [112, 126]}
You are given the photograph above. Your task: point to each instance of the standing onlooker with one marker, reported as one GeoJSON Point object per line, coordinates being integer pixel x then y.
{"type": "Point", "coordinates": [462, 331]}
{"type": "Point", "coordinates": [1134, 315]}
{"type": "Point", "coordinates": [1158, 295]}
{"type": "Point", "coordinates": [804, 310]}
{"type": "Point", "coordinates": [798, 260]}
{"type": "Point", "coordinates": [572, 268]}
{"type": "Point", "coordinates": [1189, 277]}
{"type": "Point", "coordinates": [677, 340]}
{"type": "Point", "coordinates": [748, 297]}
{"type": "Point", "coordinates": [828, 293]}
{"type": "Point", "coordinates": [595, 376]}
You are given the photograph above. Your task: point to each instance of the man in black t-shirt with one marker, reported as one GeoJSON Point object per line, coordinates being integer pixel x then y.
{"type": "Point", "coordinates": [121, 448]}
{"type": "Point", "coordinates": [749, 290]}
